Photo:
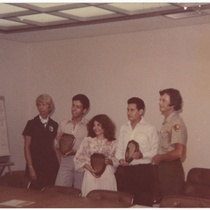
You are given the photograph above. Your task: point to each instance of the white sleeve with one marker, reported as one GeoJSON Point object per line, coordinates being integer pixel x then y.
{"type": "Point", "coordinates": [154, 143]}
{"type": "Point", "coordinates": [120, 151]}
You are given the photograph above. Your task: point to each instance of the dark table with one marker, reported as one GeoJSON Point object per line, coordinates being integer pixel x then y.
{"type": "Point", "coordinates": [48, 199]}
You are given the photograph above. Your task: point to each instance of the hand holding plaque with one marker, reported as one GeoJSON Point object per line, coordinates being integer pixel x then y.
{"type": "Point", "coordinates": [98, 163]}
{"type": "Point", "coordinates": [132, 147]}
{"type": "Point", "coordinates": [66, 143]}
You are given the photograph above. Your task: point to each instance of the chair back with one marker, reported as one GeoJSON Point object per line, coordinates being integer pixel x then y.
{"type": "Point", "coordinates": [113, 196]}
{"type": "Point", "coordinates": [182, 201]}
{"type": "Point", "coordinates": [198, 183]}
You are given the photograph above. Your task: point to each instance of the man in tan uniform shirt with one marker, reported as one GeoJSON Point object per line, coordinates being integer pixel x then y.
{"type": "Point", "coordinates": [173, 139]}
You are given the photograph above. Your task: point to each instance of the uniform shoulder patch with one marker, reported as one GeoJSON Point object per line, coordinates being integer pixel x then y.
{"type": "Point", "coordinates": [176, 127]}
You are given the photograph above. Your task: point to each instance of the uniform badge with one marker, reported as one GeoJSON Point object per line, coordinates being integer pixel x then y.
{"type": "Point", "coordinates": [176, 127]}
{"type": "Point", "coordinates": [51, 128]}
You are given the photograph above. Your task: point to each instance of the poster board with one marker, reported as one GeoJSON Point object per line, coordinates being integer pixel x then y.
{"type": "Point", "coordinates": [4, 141]}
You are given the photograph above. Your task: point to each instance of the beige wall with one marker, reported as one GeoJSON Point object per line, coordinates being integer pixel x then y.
{"type": "Point", "coordinates": [111, 69]}
{"type": "Point", "coordinates": [14, 77]}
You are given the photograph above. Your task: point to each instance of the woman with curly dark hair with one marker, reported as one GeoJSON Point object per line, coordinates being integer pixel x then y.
{"type": "Point", "coordinates": [100, 142]}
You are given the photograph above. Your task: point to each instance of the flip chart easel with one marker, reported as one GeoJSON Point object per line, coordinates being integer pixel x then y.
{"type": "Point", "coordinates": [4, 142]}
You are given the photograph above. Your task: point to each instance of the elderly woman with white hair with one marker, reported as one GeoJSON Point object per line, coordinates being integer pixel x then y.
{"type": "Point", "coordinates": [39, 134]}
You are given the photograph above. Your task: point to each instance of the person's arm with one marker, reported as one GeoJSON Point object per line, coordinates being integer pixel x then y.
{"type": "Point", "coordinates": [177, 153]}
{"type": "Point", "coordinates": [58, 155]}
{"type": "Point", "coordinates": [56, 142]}
{"type": "Point", "coordinates": [82, 156]}
{"type": "Point", "coordinates": [120, 153]}
{"type": "Point", "coordinates": [27, 142]}
{"type": "Point", "coordinates": [153, 143]}
{"type": "Point", "coordinates": [111, 159]}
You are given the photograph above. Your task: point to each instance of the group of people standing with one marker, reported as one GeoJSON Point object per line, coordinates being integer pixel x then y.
{"type": "Point", "coordinates": [163, 150]}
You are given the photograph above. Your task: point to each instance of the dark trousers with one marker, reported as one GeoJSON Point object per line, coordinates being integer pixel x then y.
{"type": "Point", "coordinates": [137, 180]}
{"type": "Point", "coordinates": [43, 178]}
{"type": "Point", "coordinates": [171, 177]}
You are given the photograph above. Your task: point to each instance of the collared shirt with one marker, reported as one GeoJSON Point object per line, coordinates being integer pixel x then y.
{"type": "Point", "coordinates": [147, 137]}
{"type": "Point", "coordinates": [173, 131]}
{"type": "Point", "coordinates": [44, 121]}
{"type": "Point", "coordinates": [79, 130]}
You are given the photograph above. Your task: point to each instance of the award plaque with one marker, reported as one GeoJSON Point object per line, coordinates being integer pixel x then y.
{"type": "Point", "coordinates": [98, 163]}
{"type": "Point", "coordinates": [66, 143]}
{"type": "Point", "coordinates": [132, 147]}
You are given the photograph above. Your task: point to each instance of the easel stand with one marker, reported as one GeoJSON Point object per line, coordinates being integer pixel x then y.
{"type": "Point", "coordinates": [4, 165]}
{"type": "Point", "coordinates": [4, 141]}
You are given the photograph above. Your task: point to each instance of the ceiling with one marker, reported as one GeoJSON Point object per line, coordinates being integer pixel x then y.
{"type": "Point", "coordinates": [27, 18]}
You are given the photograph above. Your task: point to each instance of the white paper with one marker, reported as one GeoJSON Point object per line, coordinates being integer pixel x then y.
{"type": "Point", "coordinates": [16, 203]}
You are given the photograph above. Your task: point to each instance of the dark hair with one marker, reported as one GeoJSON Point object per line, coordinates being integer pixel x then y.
{"type": "Point", "coordinates": [175, 97]}
{"type": "Point", "coordinates": [139, 102]}
{"type": "Point", "coordinates": [83, 99]}
{"type": "Point", "coordinates": [106, 123]}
